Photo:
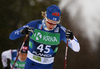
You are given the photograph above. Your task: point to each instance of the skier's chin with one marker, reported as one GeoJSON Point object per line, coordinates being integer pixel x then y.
{"type": "Point", "coordinates": [50, 28]}
{"type": "Point", "coordinates": [23, 59]}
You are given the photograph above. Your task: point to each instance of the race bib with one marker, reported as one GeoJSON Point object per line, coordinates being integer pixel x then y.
{"type": "Point", "coordinates": [46, 37]}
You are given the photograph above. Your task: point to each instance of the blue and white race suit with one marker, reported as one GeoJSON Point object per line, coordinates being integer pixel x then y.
{"type": "Point", "coordinates": [12, 54]}
{"type": "Point", "coordinates": [43, 44]}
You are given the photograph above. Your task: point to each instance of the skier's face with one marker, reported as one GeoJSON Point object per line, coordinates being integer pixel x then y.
{"type": "Point", "coordinates": [50, 23]}
{"type": "Point", "coordinates": [23, 56]}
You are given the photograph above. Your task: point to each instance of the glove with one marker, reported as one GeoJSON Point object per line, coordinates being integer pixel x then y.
{"type": "Point", "coordinates": [26, 30]}
{"type": "Point", "coordinates": [69, 34]}
{"type": "Point", "coordinates": [5, 67]}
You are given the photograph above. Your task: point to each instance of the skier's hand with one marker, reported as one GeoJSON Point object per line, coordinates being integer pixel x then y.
{"type": "Point", "coordinates": [26, 30]}
{"type": "Point", "coordinates": [5, 67]}
{"type": "Point", "coordinates": [69, 34]}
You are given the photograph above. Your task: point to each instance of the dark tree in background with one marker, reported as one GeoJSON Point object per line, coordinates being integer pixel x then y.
{"type": "Point", "coordinates": [16, 13]}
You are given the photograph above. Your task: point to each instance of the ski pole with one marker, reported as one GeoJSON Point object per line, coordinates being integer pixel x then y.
{"type": "Point", "coordinates": [66, 54]}
{"type": "Point", "coordinates": [20, 50]}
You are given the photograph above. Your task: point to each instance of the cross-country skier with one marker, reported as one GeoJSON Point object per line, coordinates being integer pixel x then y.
{"type": "Point", "coordinates": [43, 43]}
{"type": "Point", "coordinates": [12, 54]}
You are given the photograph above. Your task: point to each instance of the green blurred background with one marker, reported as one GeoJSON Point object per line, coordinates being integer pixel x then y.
{"type": "Point", "coordinates": [14, 14]}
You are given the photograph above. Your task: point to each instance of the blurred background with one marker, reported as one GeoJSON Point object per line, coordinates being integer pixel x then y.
{"type": "Point", "coordinates": [81, 17]}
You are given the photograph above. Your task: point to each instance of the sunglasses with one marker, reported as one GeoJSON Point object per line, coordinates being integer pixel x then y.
{"type": "Point", "coordinates": [51, 23]}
